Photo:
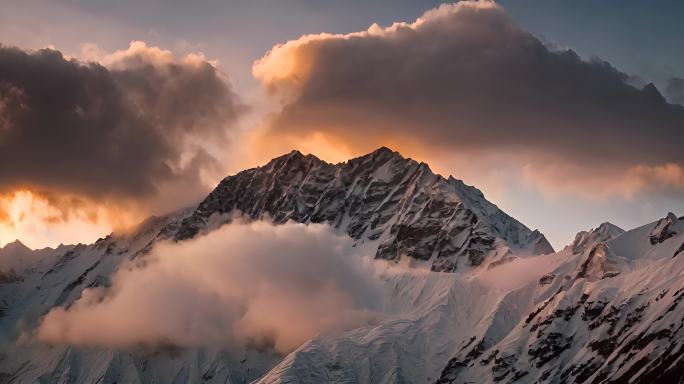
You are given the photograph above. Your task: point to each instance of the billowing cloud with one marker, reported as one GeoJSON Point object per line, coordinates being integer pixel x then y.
{"type": "Point", "coordinates": [133, 129]}
{"type": "Point", "coordinates": [245, 284]}
{"type": "Point", "coordinates": [121, 129]}
{"type": "Point", "coordinates": [465, 79]}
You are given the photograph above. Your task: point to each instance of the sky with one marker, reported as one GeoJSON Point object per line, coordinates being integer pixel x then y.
{"type": "Point", "coordinates": [557, 127]}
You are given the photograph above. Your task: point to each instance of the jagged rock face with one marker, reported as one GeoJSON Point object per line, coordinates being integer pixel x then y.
{"type": "Point", "coordinates": [586, 240]}
{"type": "Point", "coordinates": [585, 328]}
{"type": "Point", "coordinates": [380, 196]}
{"type": "Point", "coordinates": [599, 263]}
{"type": "Point", "coordinates": [597, 260]}
{"type": "Point", "coordinates": [663, 229]}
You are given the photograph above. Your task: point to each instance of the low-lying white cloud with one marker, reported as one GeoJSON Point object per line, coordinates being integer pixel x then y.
{"type": "Point", "coordinates": [252, 284]}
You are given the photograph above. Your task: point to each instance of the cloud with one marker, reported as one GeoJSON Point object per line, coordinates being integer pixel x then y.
{"type": "Point", "coordinates": [7, 230]}
{"type": "Point", "coordinates": [45, 220]}
{"type": "Point", "coordinates": [250, 284]}
{"type": "Point", "coordinates": [628, 183]}
{"type": "Point", "coordinates": [123, 129]}
{"type": "Point", "coordinates": [465, 79]}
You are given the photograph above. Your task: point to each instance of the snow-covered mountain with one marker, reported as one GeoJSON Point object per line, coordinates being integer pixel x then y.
{"type": "Point", "coordinates": [16, 259]}
{"type": "Point", "coordinates": [603, 310]}
{"type": "Point", "coordinates": [377, 197]}
{"type": "Point", "coordinates": [482, 300]}
{"type": "Point", "coordinates": [608, 312]}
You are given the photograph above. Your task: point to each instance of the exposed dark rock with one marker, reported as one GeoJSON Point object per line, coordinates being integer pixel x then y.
{"type": "Point", "coordinates": [380, 196]}
{"type": "Point", "coordinates": [663, 229]}
{"type": "Point", "coordinates": [604, 347]}
{"type": "Point", "coordinates": [534, 314]}
{"type": "Point", "coordinates": [547, 279]}
{"type": "Point", "coordinates": [584, 371]}
{"type": "Point", "coordinates": [477, 350]}
{"type": "Point", "coordinates": [75, 283]}
{"type": "Point", "coordinates": [549, 347]}
{"type": "Point", "coordinates": [9, 277]}
{"type": "Point", "coordinates": [586, 240]}
{"type": "Point", "coordinates": [64, 259]}
{"type": "Point", "coordinates": [593, 309]}
{"type": "Point", "coordinates": [559, 313]}
{"type": "Point", "coordinates": [599, 264]}
{"type": "Point", "coordinates": [679, 250]}
{"type": "Point", "coordinates": [666, 368]}
{"type": "Point", "coordinates": [450, 372]}
{"type": "Point", "coordinates": [503, 367]}
{"type": "Point", "coordinates": [489, 358]}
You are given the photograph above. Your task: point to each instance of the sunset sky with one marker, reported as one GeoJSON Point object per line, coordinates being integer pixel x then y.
{"type": "Point", "coordinates": [544, 105]}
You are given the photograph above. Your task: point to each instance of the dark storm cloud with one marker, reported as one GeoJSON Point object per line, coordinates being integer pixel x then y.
{"type": "Point", "coordinates": [464, 77]}
{"type": "Point", "coordinates": [108, 131]}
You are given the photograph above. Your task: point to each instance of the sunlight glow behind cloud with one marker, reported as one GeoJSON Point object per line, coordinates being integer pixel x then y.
{"type": "Point", "coordinates": [39, 223]}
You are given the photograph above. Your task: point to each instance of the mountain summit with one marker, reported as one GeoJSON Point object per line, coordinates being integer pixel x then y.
{"type": "Point", "coordinates": [383, 197]}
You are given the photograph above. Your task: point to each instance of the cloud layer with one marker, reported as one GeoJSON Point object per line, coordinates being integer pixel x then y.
{"type": "Point", "coordinates": [255, 285]}
{"type": "Point", "coordinates": [48, 220]}
{"type": "Point", "coordinates": [463, 78]}
{"type": "Point", "coordinates": [119, 130]}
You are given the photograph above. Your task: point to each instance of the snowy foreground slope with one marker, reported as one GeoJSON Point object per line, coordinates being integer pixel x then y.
{"type": "Point", "coordinates": [603, 310]}
{"type": "Point", "coordinates": [470, 295]}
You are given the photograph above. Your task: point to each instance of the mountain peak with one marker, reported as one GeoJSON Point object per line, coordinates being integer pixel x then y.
{"type": "Point", "coordinates": [586, 240]}
{"type": "Point", "coordinates": [608, 227]}
{"type": "Point", "coordinates": [291, 160]}
{"type": "Point", "coordinates": [16, 245]}
{"type": "Point", "coordinates": [385, 151]}
{"type": "Point", "coordinates": [663, 229]}
{"type": "Point", "coordinates": [652, 91]}
{"type": "Point", "coordinates": [295, 153]}
{"type": "Point", "coordinates": [381, 154]}
{"type": "Point", "coordinates": [379, 197]}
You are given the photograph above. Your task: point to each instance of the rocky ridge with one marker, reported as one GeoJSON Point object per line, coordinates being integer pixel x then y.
{"type": "Point", "coordinates": [381, 197]}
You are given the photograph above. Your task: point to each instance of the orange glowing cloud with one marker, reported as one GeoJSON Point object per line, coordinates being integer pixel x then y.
{"type": "Point", "coordinates": [140, 129]}
{"type": "Point", "coordinates": [602, 182]}
{"type": "Point", "coordinates": [46, 221]}
{"type": "Point", "coordinates": [467, 90]}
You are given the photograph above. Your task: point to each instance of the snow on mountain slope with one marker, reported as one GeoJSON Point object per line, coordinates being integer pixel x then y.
{"type": "Point", "coordinates": [16, 259]}
{"type": "Point", "coordinates": [618, 327]}
{"type": "Point", "coordinates": [23, 359]}
{"type": "Point", "coordinates": [534, 320]}
{"type": "Point", "coordinates": [604, 309]}
{"type": "Point", "coordinates": [380, 196]}
{"type": "Point", "coordinates": [438, 315]}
